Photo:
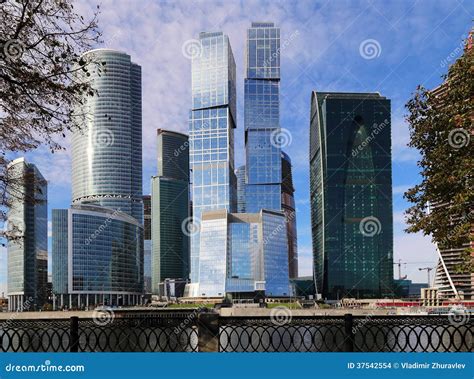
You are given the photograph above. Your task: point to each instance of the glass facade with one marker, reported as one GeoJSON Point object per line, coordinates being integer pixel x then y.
{"type": "Point", "coordinates": [107, 152]}
{"type": "Point", "coordinates": [105, 245]}
{"type": "Point", "coordinates": [213, 259]}
{"type": "Point", "coordinates": [288, 207]}
{"type": "Point", "coordinates": [59, 256]}
{"type": "Point", "coordinates": [170, 209]}
{"type": "Point", "coordinates": [104, 251]}
{"type": "Point", "coordinates": [240, 176]}
{"type": "Point", "coordinates": [262, 118]}
{"type": "Point", "coordinates": [147, 246]}
{"type": "Point", "coordinates": [211, 133]}
{"type": "Point", "coordinates": [240, 250]}
{"type": "Point", "coordinates": [27, 245]}
{"type": "Point", "coordinates": [351, 184]}
{"type": "Point", "coordinates": [275, 254]}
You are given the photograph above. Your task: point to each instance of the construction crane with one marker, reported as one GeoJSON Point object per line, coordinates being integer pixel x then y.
{"type": "Point", "coordinates": [399, 264]}
{"type": "Point", "coordinates": [428, 270]}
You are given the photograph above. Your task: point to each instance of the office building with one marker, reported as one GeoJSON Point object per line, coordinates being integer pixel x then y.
{"type": "Point", "coordinates": [170, 210]}
{"type": "Point", "coordinates": [288, 207]}
{"type": "Point", "coordinates": [262, 118]}
{"type": "Point", "coordinates": [107, 152]}
{"type": "Point", "coordinates": [147, 245]}
{"type": "Point", "coordinates": [27, 235]}
{"type": "Point", "coordinates": [97, 257]}
{"type": "Point", "coordinates": [211, 133]}
{"type": "Point", "coordinates": [351, 195]}
{"type": "Point", "coordinates": [243, 253]}
{"type": "Point", "coordinates": [98, 243]}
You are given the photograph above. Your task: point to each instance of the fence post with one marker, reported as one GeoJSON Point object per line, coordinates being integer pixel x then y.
{"type": "Point", "coordinates": [348, 332]}
{"type": "Point", "coordinates": [74, 335]}
{"type": "Point", "coordinates": [208, 332]}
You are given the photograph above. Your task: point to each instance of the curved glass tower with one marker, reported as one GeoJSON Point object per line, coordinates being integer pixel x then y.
{"type": "Point", "coordinates": [351, 194]}
{"type": "Point", "coordinates": [98, 243]}
{"type": "Point", "coordinates": [97, 257]}
{"type": "Point", "coordinates": [107, 152]}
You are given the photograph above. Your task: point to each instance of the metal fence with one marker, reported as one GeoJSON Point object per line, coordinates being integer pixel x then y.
{"type": "Point", "coordinates": [194, 331]}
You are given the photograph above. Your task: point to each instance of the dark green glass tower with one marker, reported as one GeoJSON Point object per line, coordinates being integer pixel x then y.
{"type": "Point", "coordinates": [170, 209]}
{"type": "Point", "coordinates": [351, 194]}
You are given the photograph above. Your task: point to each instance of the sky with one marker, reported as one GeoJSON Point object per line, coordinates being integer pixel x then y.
{"type": "Point", "coordinates": [389, 47]}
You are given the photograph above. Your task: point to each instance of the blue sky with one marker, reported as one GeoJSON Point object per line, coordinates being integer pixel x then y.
{"type": "Point", "coordinates": [322, 41]}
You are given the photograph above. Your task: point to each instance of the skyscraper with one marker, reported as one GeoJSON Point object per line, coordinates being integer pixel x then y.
{"type": "Point", "coordinates": [288, 207]}
{"type": "Point", "coordinates": [107, 154]}
{"type": "Point", "coordinates": [147, 245]}
{"type": "Point", "coordinates": [27, 236]}
{"type": "Point", "coordinates": [98, 243]}
{"type": "Point", "coordinates": [351, 194]}
{"type": "Point", "coordinates": [170, 209]}
{"type": "Point", "coordinates": [211, 133]}
{"type": "Point", "coordinates": [262, 118]}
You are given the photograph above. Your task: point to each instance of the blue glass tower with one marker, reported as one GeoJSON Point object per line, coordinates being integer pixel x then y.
{"type": "Point", "coordinates": [262, 118]}
{"type": "Point", "coordinates": [97, 252]}
{"type": "Point", "coordinates": [27, 235]}
{"type": "Point", "coordinates": [107, 153]}
{"type": "Point", "coordinates": [211, 133]}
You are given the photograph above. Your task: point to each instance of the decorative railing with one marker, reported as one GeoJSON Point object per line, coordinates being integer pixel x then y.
{"type": "Point", "coordinates": [193, 331]}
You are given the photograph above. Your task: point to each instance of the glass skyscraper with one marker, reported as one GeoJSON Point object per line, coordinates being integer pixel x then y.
{"type": "Point", "coordinates": [289, 209]}
{"type": "Point", "coordinates": [262, 118]}
{"type": "Point", "coordinates": [27, 235]}
{"type": "Point", "coordinates": [170, 210]}
{"type": "Point", "coordinates": [351, 194]}
{"type": "Point", "coordinates": [147, 246]}
{"type": "Point", "coordinates": [107, 152]}
{"type": "Point", "coordinates": [104, 228]}
{"type": "Point", "coordinates": [211, 133]}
